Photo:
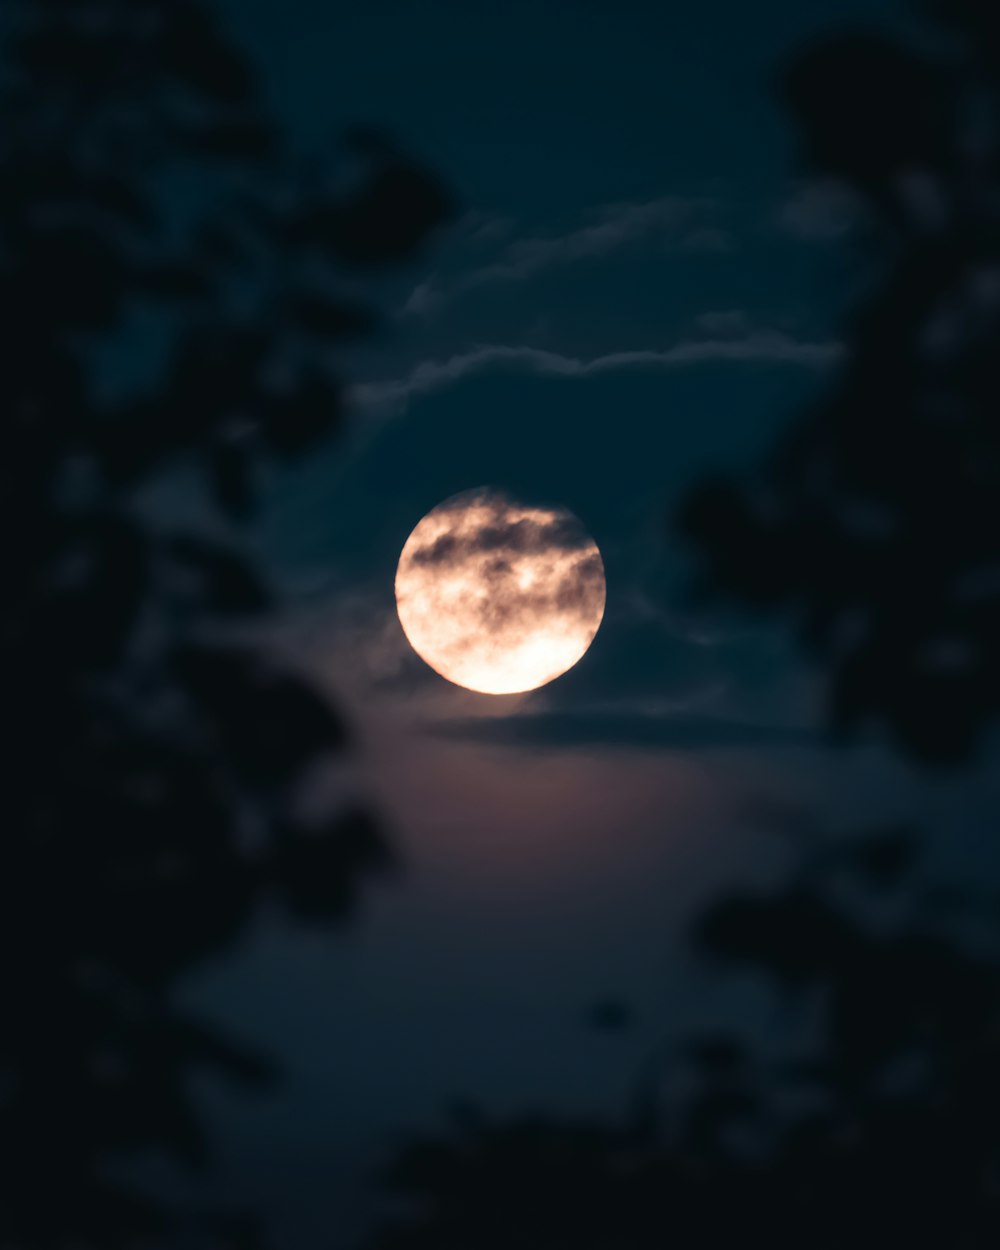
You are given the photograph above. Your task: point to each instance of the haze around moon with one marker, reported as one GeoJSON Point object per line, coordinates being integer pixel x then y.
{"type": "Point", "coordinates": [499, 596]}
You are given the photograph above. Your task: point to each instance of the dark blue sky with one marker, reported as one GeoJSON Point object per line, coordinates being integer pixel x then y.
{"type": "Point", "coordinates": [640, 290]}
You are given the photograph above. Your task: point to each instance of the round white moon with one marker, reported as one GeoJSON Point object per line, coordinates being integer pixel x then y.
{"type": "Point", "coordinates": [498, 596]}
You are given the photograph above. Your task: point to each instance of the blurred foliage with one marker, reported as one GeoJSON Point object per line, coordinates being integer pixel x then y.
{"type": "Point", "coordinates": [152, 763]}
{"type": "Point", "coordinates": [882, 1130]}
{"type": "Point", "coordinates": [876, 520]}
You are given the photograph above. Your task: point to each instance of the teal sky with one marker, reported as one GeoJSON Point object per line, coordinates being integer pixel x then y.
{"type": "Point", "coordinates": [641, 289]}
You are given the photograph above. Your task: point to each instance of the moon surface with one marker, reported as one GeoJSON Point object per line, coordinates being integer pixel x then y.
{"type": "Point", "coordinates": [499, 596]}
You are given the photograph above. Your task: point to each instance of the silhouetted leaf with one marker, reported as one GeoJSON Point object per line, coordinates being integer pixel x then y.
{"type": "Point", "coordinates": [384, 222]}
{"type": "Point", "coordinates": [242, 140]}
{"type": "Point", "coordinates": [229, 471]}
{"type": "Point", "coordinates": [319, 869]}
{"type": "Point", "coordinates": [223, 245]}
{"type": "Point", "coordinates": [73, 56]}
{"type": "Point", "coordinates": [196, 52]}
{"type": "Point", "coordinates": [796, 937]}
{"type": "Point", "coordinates": [296, 419]}
{"type": "Point", "coordinates": [895, 116]}
{"type": "Point", "coordinates": [227, 582]}
{"type": "Point", "coordinates": [271, 721]}
{"type": "Point", "coordinates": [173, 281]}
{"type": "Point", "coordinates": [715, 1053]}
{"type": "Point", "coordinates": [321, 315]}
{"type": "Point", "coordinates": [884, 859]}
{"type": "Point", "coordinates": [208, 1046]}
{"type": "Point", "coordinates": [73, 277]}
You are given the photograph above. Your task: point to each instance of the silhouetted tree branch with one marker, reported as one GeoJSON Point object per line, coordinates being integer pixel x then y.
{"type": "Point", "coordinates": [170, 298]}
{"type": "Point", "coordinates": [875, 521]}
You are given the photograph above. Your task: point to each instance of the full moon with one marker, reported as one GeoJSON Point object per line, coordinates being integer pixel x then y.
{"type": "Point", "coordinates": [499, 596]}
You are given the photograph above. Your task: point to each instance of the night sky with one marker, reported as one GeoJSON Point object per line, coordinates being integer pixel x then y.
{"type": "Point", "coordinates": [639, 290]}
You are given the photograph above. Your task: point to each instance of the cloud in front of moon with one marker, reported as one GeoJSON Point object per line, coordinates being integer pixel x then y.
{"type": "Point", "coordinates": [499, 596]}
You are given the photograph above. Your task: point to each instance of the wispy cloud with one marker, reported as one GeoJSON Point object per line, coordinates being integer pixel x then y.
{"type": "Point", "coordinates": [759, 346]}
{"type": "Point", "coordinates": [612, 227]}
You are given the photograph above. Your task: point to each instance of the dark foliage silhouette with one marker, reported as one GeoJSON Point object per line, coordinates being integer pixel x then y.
{"type": "Point", "coordinates": [153, 750]}
{"type": "Point", "coordinates": [882, 1130]}
{"type": "Point", "coordinates": [876, 521]}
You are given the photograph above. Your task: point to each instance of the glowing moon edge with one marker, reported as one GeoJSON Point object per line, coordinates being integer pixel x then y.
{"type": "Point", "coordinates": [500, 596]}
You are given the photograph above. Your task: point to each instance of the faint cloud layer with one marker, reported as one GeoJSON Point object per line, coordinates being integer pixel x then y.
{"type": "Point", "coordinates": [613, 728]}
{"type": "Point", "coordinates": [819, 212]}
{"type": "Point", "coordinates": [758, 346]}
{"type": "Point", "coordinates": [725, 322]}
{"type": "Point", "coordinates": [615, 227]}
